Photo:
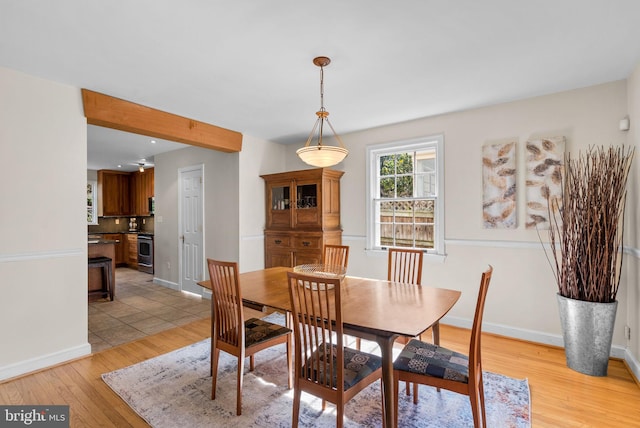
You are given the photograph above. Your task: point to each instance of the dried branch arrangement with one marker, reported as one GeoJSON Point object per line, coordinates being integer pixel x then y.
{"type": "Point", "coordinates": [586, 230]}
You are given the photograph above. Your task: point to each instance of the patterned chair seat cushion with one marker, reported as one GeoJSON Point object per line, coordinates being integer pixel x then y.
{"type": "Point", "coordinates": [357, 365]}
{"type": "Point", "coordinates": [432, 360]}
{"type": "Point", "coordinates": [257, 330]}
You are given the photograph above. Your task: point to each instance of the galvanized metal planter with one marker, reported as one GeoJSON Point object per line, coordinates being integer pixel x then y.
{"type": "Point", "coordinates": [587, 329]}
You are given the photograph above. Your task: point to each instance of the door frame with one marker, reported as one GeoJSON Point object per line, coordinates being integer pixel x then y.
{"type": "Point", "coordinates": [198, 167]}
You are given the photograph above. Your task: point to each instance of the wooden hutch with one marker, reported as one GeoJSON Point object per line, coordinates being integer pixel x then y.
{"type": "Point", "coordinates": [302, 215]}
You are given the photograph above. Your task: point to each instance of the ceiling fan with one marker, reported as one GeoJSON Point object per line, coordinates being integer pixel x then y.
{"type": "Point", "coordinates": [142, 164]}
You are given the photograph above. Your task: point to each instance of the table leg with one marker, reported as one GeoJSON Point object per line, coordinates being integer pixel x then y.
{"type": "Point", "coordinates": [386, 346]}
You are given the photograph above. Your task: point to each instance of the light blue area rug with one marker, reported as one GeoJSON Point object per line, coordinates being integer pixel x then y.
{"type": "Point", "coordinates": [174, 389]}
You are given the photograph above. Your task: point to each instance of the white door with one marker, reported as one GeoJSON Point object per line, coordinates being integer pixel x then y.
{"type": "Point", "coordinates": [191, 227]}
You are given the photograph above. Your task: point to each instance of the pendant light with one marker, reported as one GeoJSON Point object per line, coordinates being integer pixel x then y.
{"type": "Point", "coordinates": [321, 155]}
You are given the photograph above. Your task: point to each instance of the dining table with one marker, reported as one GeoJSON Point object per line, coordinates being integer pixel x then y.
{"type": "Point", "coordinates": [372, 309]}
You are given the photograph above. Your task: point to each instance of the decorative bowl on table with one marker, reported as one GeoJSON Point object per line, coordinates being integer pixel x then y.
{"type": "Point", "coordinates": [322, 271]}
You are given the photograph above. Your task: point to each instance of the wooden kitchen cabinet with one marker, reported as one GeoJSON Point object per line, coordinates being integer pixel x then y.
{"type": "Point", "coordinates": [142, 188]}
{"type": "Point", "coordinates": [113, 188]}
{"type": "Point", "coordinates": [131, 250]}
{"type": "Point", "coordinates": [125, 193]}
{"type": "Point", "coordinates": [302, 215]}
{"type": "Point", "coordinates": [119, 246]}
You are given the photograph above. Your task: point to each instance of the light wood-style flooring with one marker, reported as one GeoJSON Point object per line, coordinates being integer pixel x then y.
{"type": "Point", "coordinates": [560, 397]}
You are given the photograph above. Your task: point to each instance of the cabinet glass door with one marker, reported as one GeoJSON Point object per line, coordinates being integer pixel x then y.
{"type": "Point", "coordinates": [279, 213]}
{"type": "Point", "coordinates": [280, 198]}
{"type": "Point", "coordinates": [307, 196]}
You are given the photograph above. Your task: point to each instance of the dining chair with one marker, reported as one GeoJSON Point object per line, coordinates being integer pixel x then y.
{"type": "Point", "coordinates": [231, 333]}
{"type": "Point", "coordinates": [336, 255]}
{"type": "Point", "coordinates": [323, 366]}
{"type": "Point", "coordinates": [405, 265]}
{"type": "Point", "coordinates": [433, 365]}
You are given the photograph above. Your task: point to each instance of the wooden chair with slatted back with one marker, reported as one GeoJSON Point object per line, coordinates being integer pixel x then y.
{"type": "Point", "coordinates": [231, 333]}
{"type": "Point", "coordinates": [323, 366]}
{"type": "Point", "coordinates": [428, 364]}
{"type": "Point", "coordinates": [405, 265]}
{"type": "Point", "coordinates": [336, 255]}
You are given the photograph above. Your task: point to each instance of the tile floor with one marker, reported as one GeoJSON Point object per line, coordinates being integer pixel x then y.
{"type": "Point", "coordinates": [140, 308]}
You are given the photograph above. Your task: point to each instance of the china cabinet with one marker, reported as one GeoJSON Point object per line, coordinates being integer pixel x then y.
{"type": "Point", "coordinates": [302, 215]}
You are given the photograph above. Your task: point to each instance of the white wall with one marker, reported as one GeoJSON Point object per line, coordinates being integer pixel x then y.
{"type": "Point", "coordinates": [256, 158]}
{"type": "Point", "coordinates": [43, 250]}
{"type": "Point", "coordinates": [221, 201]}
{"type": "Point", "coordinates": [521, 300]}
{"type": "Point", "coordinates": [632, 216]}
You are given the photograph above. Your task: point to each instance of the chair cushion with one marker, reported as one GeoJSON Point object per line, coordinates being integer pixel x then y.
{"type": "Point", "coordinates": [357, 366]}
{"type": "Point", "coordinates": [257, 330]}
{"type": "Point", "coordinates": [432, 360]}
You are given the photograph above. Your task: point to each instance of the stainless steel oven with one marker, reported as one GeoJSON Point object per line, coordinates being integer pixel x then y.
{"type": "Point", "coordinates": [145, 252]}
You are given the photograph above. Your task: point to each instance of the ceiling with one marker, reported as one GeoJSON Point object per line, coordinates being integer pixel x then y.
{"type": "Point", "coordinates": [112, 149]}
{"type": "Point", "coordinates": [247, 65]}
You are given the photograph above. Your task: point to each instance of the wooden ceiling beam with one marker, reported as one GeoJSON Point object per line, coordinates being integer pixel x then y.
{"type": "Point", "coordinates": [110, 112]}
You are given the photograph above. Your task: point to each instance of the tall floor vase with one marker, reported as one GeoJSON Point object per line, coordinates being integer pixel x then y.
{"type": "Point", "coordinates": [587, 329]}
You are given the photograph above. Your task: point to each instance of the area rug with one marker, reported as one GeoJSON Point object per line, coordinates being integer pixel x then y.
{"type": "Point", "coordinates": [174, 389]}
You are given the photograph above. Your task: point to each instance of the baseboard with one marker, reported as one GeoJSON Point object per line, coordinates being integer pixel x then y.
{"type": "Point", "coordinates": [633, 364]}
{"type": "Point", "coordinates": [167, 284]}
{"type": "Point", "coordinates": [528, 335]}
{"type": "Point", "coordinates": [31, 365]}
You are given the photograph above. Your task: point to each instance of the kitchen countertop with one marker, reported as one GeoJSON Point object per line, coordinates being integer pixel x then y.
{"type": "Point", "coordinates": [137, 232]}
{"type": "Point", "coordinates": [102, 241]}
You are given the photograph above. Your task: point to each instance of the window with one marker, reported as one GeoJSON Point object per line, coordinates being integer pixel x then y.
{"type": "Point", "coordinates": [405, 199]}
{"type": "Point", "coordinates": [92, 203]}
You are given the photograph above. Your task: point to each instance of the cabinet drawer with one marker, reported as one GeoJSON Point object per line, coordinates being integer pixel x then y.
{"type": "Point", "coordinates": [278, 241]}
{"type": "Point", "coordinates": [308, 242]}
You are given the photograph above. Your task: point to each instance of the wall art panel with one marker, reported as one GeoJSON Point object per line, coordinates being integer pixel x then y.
{"type": "Point", "coordinates": [545, 163]}
{"type": "Point", "coordinates": [499, 185]}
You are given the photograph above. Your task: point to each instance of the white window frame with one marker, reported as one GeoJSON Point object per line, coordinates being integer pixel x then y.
{"type": "Point", "coordinates": [425, 143]}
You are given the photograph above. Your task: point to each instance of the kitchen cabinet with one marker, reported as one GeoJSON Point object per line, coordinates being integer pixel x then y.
{"type": "Point", "coordinates": [142, 188]}
{"type": "Point", "coordinates": [131, 250]}
{"type": "Point", "coordinates": [119, 246]}
{"type": "Point", "coordinates": [125, 193]}
{"type": "Point", "coordinates": [113, 188]}
{"type": "Point", "coordinates": [302, 215]}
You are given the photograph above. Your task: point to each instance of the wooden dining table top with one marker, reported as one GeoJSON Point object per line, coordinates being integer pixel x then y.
{"type": "Point", "coordinates": [376, 306]}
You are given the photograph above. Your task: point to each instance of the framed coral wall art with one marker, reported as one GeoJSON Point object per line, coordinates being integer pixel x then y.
{"type": "Point", "coordinates": [499, 185]}
{"type": "Point", "coordinates": [545, 162]}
